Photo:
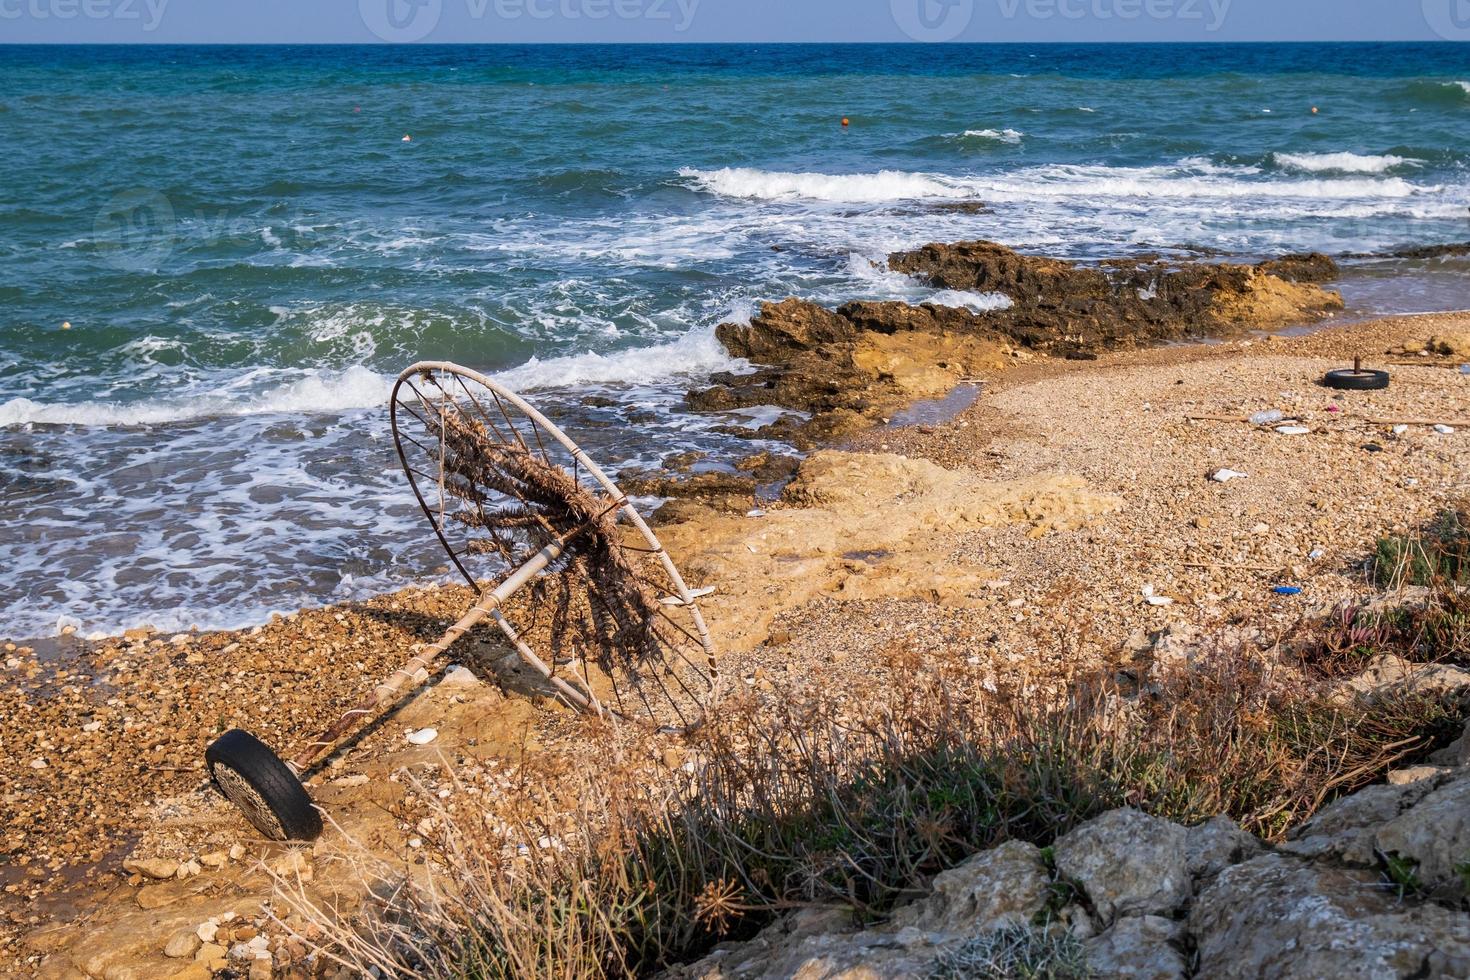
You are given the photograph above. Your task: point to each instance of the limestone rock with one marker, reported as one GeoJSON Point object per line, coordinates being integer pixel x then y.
{"type": "Point", "coordinates": [1282, 918]}
{"type": "Point", "coordinates": [1184, 647]}
{"type": "Point", "coordinates": [194, 971]}
{"type": "Point", "coordinates": [212, 955]}
{"type": "Point", "coordinates": [156, 868]}
{"type": "Point", "coordinates": [1413, 774]}
{"type": "Point", "coordinates": [151, 897]}
{"type": "Point", "coordinates": [1004, 885]}
{"type": "Point", "coordinates": [1457, 753]}
{"type": "Point", "coordinates": [182, 945]}
{"type": "Point", "coordinates": [1434, 833]}
{"type": "Point", "coordinates": [1344, 829]}
{"type": "Point", "coordinates": [1389, 673]}
{"type": "Point", "coordinates": [1216, 844]}
{"type": "Point", "coordinates": [1128, 863]}
{"type": "Point", "coordinates": [1141, 947]}
{"type": "Point", "coordinates": [460, 677]}
{"type": "Point", "coordinates": [1450, 344]}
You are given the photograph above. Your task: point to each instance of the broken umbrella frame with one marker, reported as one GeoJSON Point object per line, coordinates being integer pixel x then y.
{"type": "Point", "coordinates": [500, 482]}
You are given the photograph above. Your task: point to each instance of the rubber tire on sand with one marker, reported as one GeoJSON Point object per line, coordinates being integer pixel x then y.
{"type": "Point", "coordinates": [240, 763]}
{"type": "Point", "coordinates": [1350, 380]}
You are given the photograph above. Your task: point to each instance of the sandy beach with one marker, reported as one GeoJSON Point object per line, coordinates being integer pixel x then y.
{"type": "Point", "coordinates": [1026, 534]}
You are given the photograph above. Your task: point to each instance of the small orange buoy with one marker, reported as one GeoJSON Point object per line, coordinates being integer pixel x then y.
{"type": "Point", "coordinates": [66, 324]}
{"type": "Point", "coordinates": [1314, 110]}
{"type": "Point", "coordinates": [845, 121]}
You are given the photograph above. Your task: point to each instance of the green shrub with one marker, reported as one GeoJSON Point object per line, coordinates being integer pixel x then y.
{"type": "Point", "coordinates": [1441, 554]}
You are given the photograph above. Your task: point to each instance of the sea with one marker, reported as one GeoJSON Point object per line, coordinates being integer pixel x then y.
{"type": "Point", "coordinates": [214, 260]}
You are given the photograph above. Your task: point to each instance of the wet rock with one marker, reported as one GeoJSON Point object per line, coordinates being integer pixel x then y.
{"type": "Point", "coordinates": [851, 367]}
{"type": "Point", "coordinates": [711, 484]}
{"type": "Point", "coordinates": [1433, 251]}
{"type": "Point", "coordinates": [1309, 267]}
{"type": "Point", "coordinates": [1066, 306]}
{"type": "Point", "coordinates": [1128, 863]}
{"type": "Point", "coordinates": [783, 329]}
{"type": "Point", "coordinates": [1278, 917]}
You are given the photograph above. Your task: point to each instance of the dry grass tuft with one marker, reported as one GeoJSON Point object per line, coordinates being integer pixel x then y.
{"type": "Point", "coordinates": [857, 803]}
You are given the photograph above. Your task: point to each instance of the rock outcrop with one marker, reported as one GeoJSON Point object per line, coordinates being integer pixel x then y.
{"type": "Point", "coordinates": [850, 367]}
{"type": "Point", "coordinates": [1144, 897]}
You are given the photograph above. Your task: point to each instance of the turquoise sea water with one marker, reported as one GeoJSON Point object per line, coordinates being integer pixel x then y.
{"type": "Point", "coordinates": [246, 250]}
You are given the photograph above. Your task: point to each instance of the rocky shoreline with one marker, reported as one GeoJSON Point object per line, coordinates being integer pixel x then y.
{"type": "Point", "coordinates": [850, 367]}
{"type": "Point", "coordinates": [954, 539]}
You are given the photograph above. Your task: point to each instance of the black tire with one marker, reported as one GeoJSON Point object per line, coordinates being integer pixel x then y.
{"type": "Point", "coordinates": [1350, 380]}
{"type": "Point", "coordinates": [262, 787]}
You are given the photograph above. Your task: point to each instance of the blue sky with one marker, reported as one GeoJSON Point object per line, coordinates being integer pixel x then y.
{"type": "Point", "coordinates": [83, 21]}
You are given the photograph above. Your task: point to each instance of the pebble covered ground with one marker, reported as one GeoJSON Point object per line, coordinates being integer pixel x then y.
{"type": "Point", "coordinates": [95, 734]}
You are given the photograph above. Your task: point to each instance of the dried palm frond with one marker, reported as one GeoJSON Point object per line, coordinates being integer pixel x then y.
{"type": "Point", "coordinates": [502, 485]}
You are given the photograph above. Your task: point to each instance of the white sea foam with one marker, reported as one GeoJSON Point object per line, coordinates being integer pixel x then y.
{"type": "Point", "coordinates": [1191, 178]}
{"type": "Point", "coordinates": [306, 392]}
{"type": "Point", "coordinates": [696, 352]}
{"type": "Point", "coordinates": [1351, 163]}
{"type": "Point", "coordinates": [975, 302]}
{"type": "Point", "coordinates": [1012, 136]}
{"type": "Point", "coordinates": [768, 185]}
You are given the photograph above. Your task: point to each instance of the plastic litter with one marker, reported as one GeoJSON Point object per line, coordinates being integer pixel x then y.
{"type": "Point", "coordinates": [1399, 430]}
{"type": "Point", "coordinates": [1267, 417]}
{"type": "Point", "coordinates": [1287, 590]}
{"type": "Point", "coordinates": [1155, 600]}
{"type": "Point", "coordinates": [673, 600]}
{"type": "Point", "coordinates": [1445, 430]}
{"type": "Point", "coordinates": [1465, 368]}
{"type": "Point", "coordinates": [1226, 475]}
{"type": "Point", "coordinates": [1315, 553]}
{"type": "Point", "coordinates": [1293, 430]}
{"type": "Point", "coordinates": [423, 736]}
